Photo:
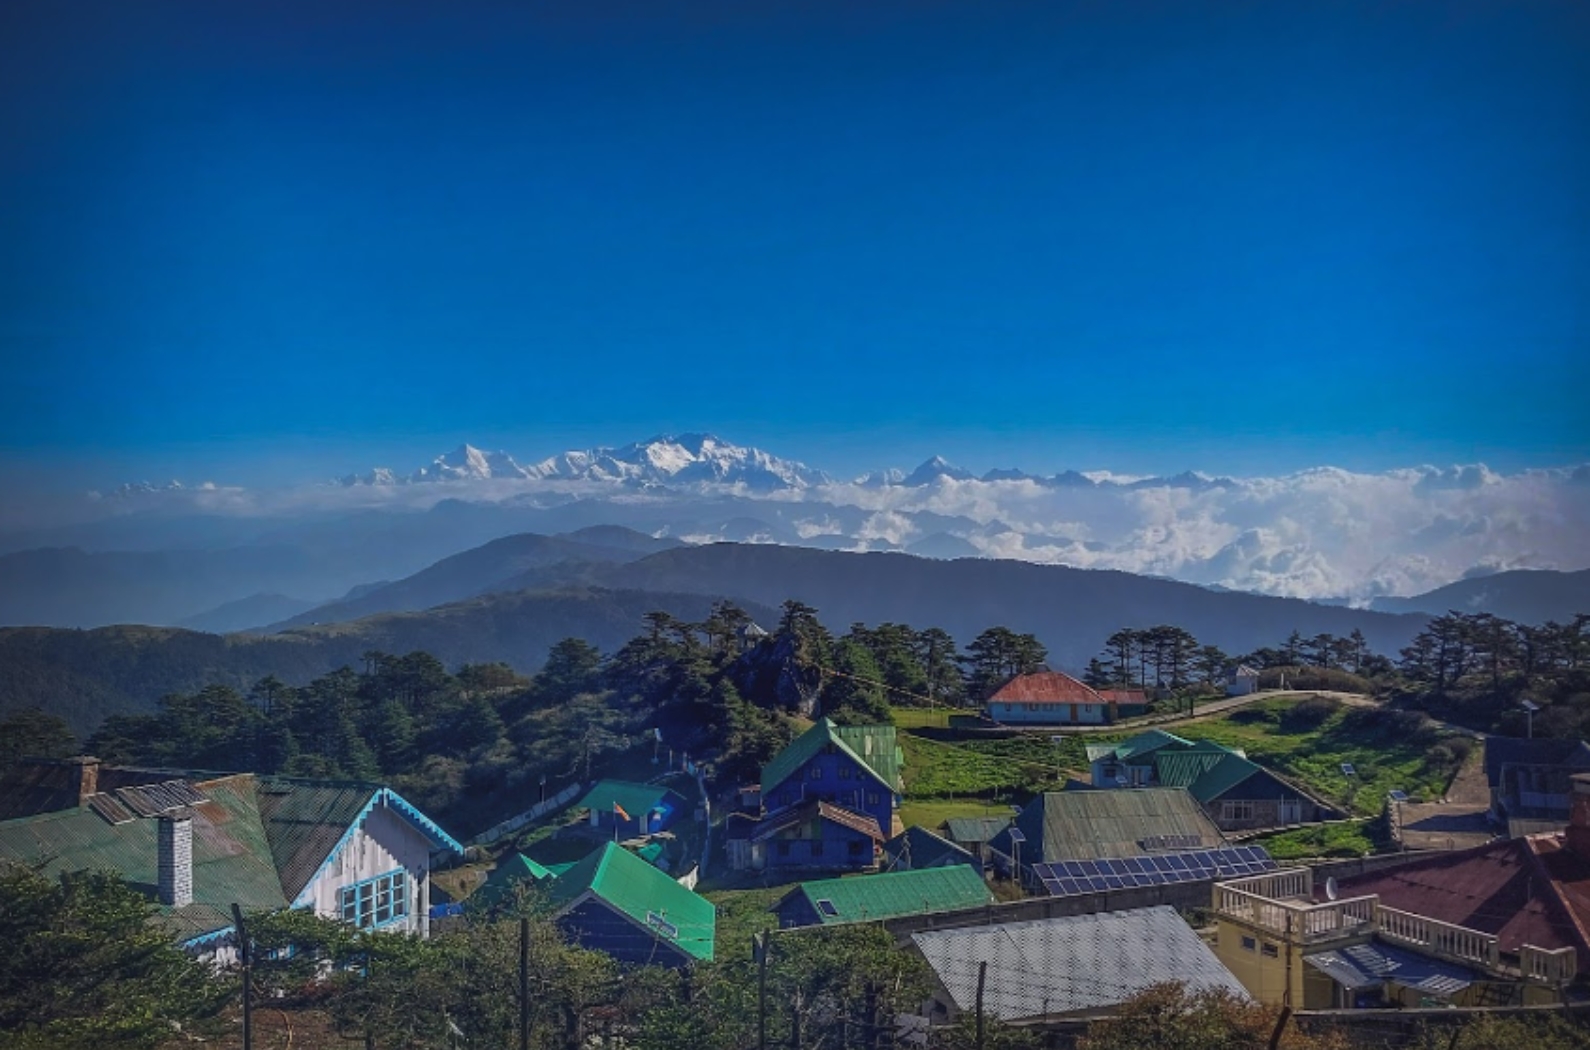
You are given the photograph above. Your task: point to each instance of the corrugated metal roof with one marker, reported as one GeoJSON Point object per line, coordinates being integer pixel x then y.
{"type": "Point", "coordinates": [1072, 965]}
{"type": "Point", "coordinates": [636, 799]}
{"type": "Point", "coordinates": [917, 847]}
{"type": "Point", "coordinates": [1046, 687]}
{"type": "Point", "coordinates": [866, 897]}
{"type": "Point", "coordinates": [1147, 742]}
{"type": "Point", "coordinates": [1371, 965]}
{"type": "Point", "coordinates": [231, 859]}
{"type": "Point", "coordinates": [1503, 750]}
{"type": "Point", "coordinates": [1493, 888]}
{"type": "Point", "coordinates": [800, 813]}
{"type": "Point", "coordinates": [975, 829]}
{"type": "Point", "coordinates": [638, 890]}
{"type": "Point", "coordinates": [149, 800]}
{"type": "Point", "coordinates": [305, 820]}
{"type": "Point", "coordinates": [876, 748]}
{"type": "Point", "coordinates": [1091, 824]}
{"type": "Point", "coordinates": [1182, 768]}
{"type": "Point", "coordinates": [1222, 777]}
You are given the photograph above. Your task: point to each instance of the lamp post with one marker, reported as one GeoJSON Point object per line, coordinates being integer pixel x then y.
{"type": "Point", "coordinates": [1530, 707]}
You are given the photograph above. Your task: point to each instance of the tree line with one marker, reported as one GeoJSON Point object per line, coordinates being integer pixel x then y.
{"type": "Point", "coordinates": [1167, 657]}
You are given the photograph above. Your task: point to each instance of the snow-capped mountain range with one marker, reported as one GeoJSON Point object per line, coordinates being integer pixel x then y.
{"type": "Point", "coordinates": [704, 461]}
{"type": "Point", "coordinates": [686, 460]}
{"type": "Point", "coordinates": [1322, 532]}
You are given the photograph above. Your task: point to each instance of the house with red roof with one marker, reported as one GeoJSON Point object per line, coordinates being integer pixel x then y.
{"type": "Point", "coordinates": [1501, 924]}
{"type": "Point", "coordinates": [1052, 698]}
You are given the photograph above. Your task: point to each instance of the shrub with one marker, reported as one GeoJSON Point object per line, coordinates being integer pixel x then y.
{"type": "Point", "coordinates": [1309, 714]}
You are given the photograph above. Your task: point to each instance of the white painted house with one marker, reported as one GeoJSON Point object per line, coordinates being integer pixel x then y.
{"type": "Point", "coordinates": [1242, 681]}
{"type": "Point", "coordinates": [356, 852]}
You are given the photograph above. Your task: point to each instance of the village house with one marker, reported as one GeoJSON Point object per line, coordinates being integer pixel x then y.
{"type": "Point", "coordinates": [1071, 967]}
{"type": "Point", "coordinates": [1070, 825]}
{"type": "Point", "coordinates": [1499, 924]}
{"type": "Point", "coordinates": [1530, 781]}
{"type": "Point", "coordinates": [1242, 681]}
{"type": "Point", "coordinates": [1237, 793]}
{"type": "Point", "coordinates": [917, 848]}
{"type": "Point", "coordinates": [1050, 698]}
{"type": "Point", "coordinates": [613, 901]}
{"type": "Point", "coordinates": [863, 898]}
{"type": "Point", "coordinates": [200, 843]}
{"type": "Point", "coordinates": [626, 809]}
{"type": "Point", "coordinates": [830, 799]}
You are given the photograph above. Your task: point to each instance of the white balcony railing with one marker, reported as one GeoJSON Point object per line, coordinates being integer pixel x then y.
{"type": "Point", "coordinates": [1553, 967]}
{"type": "Point", "coordinates": [1296, 921]}
{"type": "Point", "coordinates": [1440, 938]}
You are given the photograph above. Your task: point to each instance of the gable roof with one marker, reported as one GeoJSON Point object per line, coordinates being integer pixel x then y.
{"type": "Point", "coordinates": [917, 847]}
{"type": "Point", "coordinates": [231, 858]}
{"type": "Point", "coordinates": [635, 799]}
{"type": "Point", "coordinates": [257, 841]}
{"type": "Point", "coordinates": [1046, 687]}
{"type": "Point", "coordinates": [975, 829]}
{"type": "Point", "coordinates": [918, 892]}
{"type": "Point", "coordinates": [1075, 964]}
{"type": "Point", "coordinates": [815, 809]}
{"type": "Point", "coordinates": [637, 890]}
{"type": "Point", "coordinates": [1496, 889]}
{"type": "Point", "coordinates": [1503, 750]}
{"type": "Point", "coordinates": [875, 749]}
{"type": "Point", "coordinates": [1146, 743]}
{"type": "Point", "coordinates": [1085, 825]}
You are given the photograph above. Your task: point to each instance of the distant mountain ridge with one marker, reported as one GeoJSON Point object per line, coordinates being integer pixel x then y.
{"type": "Point", "coordinates": [1530, 596]}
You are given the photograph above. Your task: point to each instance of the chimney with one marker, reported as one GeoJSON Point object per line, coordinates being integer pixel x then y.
{"type": "Point", "coordinates": [175, 868]}
{"type": "Point", "coordinates": [1579, 815]}
{"type": "Point", "coordinates": [87, 776]}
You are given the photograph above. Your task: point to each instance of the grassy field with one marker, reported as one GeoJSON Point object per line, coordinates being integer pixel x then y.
{"type": "Point", "coordinates": [1298, 737]}
{"type": "Point", "coordinates": [930, 813]}
{"type": "Point", "coordinates": [1355, 838]}
{"type": "Point", "coordinates": [921, 717]}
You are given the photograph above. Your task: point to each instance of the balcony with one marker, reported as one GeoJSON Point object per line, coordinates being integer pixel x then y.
{"type": "Point", "coordinates": [1281, 903]}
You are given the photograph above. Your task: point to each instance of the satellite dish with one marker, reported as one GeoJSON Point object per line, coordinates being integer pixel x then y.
{"type": "Point", "coordinates": [1330, 888]}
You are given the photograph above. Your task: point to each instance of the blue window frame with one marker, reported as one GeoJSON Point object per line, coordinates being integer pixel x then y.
{"type": "Point", "coordinates": [377, 902]}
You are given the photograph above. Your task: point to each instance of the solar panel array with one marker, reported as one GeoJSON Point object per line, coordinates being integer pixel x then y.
{"type": "Point", "coordinates": [1070, 878]}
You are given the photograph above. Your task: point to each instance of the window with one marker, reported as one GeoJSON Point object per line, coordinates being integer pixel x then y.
{"type": "Point", "coordinates": [844, 772]}
{"type": "Point", "coordinates": [1269, 950]}
{"type": "Point", "coordinates": [817, 772]}
{"type": "Point", "coordinates": [872, 798]}
{"type": "Point", "coordinates": [1242, 810]}
{"type": "Point", "coordinates": [378, 901]}
{"type": "Point", "coordinates": [1249, 944]}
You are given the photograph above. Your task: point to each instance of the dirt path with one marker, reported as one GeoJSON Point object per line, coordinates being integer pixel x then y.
{"type": "Point", "coordinates": [1458, 822]}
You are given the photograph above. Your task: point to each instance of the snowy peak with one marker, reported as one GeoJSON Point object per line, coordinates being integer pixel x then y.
{"type": "Point", "coordinates": [934, 469]}
{"type": "Point", "coordinates": [468, 463]}
{"type": "Point", "coordinates": [685, 459]}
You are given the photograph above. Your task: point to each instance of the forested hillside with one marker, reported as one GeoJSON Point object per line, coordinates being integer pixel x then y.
{"type": "Point", "coordinates": [86, 675]}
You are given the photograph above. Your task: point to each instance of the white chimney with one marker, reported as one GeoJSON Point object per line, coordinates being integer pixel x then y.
{"type": "Point", "coordinates": [175, 869]}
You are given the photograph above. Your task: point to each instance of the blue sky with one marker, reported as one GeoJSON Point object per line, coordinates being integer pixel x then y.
{"type": "Point", "coordinates": [254, 241]}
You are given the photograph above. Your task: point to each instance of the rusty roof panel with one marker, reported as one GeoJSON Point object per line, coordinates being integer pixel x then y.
{"type": "Point", "coordinates": [113, 811]}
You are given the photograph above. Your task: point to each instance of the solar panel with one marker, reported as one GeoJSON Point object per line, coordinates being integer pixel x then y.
{"type": "Point", "coordinates": [1397, 796]}
{"type": "Point", "coordinates": [1067, 878]}
{"type": "Point", "coordinates": [826, 906]}
{"type": "Point", "coordinates": [1348, 770]}
{"type": "Point", "coordinates": [1017, 835]}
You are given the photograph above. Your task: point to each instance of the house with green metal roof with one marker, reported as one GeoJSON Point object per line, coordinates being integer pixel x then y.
{"type": "Point", "coordinates": [512, 871]}
{"type": "Point", "coordinates": [1236, 792]}
{"type": "Point", "coordinates": [1086, 825]}
{"type": "Point", "coordinates": [199, 843]}
{"type": "Point", "coordinates": [829, 799]}
{"type": "Point", "coordinates": [613, 901]}
{"type": "Point", "coordinates": [863, 898]}
{"type": "Point", "coordinates": [630, 809]}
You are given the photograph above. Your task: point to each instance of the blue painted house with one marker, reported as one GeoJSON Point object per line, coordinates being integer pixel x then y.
{"type": "Point", "coordinates": [614, 902]}
{"type": "Point", "coordinates": [829, 799]}
{"type": "Point", "coordinates": [631, 809]}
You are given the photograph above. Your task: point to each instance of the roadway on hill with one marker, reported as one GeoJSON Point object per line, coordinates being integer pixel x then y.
{"type": "Point", "coordinates": [1215, 709]}
{"type": "Point", "coordinates": [1459, 820]}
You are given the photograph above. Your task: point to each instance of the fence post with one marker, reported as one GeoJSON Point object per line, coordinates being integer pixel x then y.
{"type": "Point", "coordinates": [1280, 1027]}
{"type": "Point", "coordinates": [246, 954]}
{"type": "Point", "coordinates": [764, 948]}
{"type": "Point", "coordinates": [524, 984]}
{"type": "Point", "coordinates": [982, 977]}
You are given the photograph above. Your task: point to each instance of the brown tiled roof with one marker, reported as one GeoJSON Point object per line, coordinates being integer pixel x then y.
{"type": "Point", "coordinates": [1046, 687]}
{"type": "Point", "coordinates": [1499, 889]}
{"type": "Point", "coordinates": [1124, 696]}
{"type": "Point", "coordinates": [790, 816]}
